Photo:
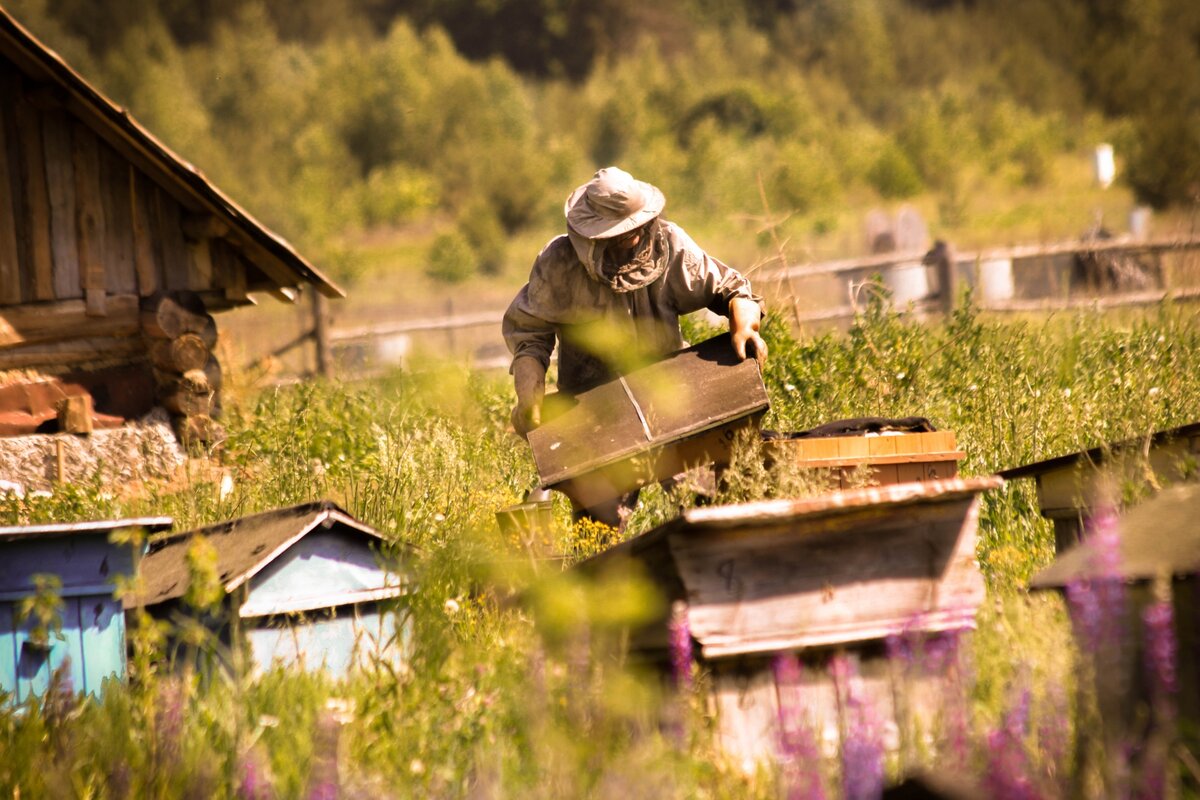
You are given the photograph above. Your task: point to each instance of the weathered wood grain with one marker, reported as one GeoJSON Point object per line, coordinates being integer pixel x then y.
{"type": "Point", "coordinates": [66, 319]}
{"type": "Point", "coordinates": [60, 187]}
{"type": "Point", "coordinates": [229, 270]}
{"type": "Point", "coordinates": [179, 354]}
{"type": "Point", "coordinates": [118, 214]}
{"type": "Point", "coordinates": [170, 233]}
{"type": "Point", "coordinates": [37, 201]}
{"type": "Point", "coordinates": [748, 716]}
{"type": "Point", "coordinates": [10, 264]}
{"type": "Point", "coordinates": [90, 222]}
{"type": "Point", "coordinates": [685, 394]}
{"type": "Point", "coordinates": [200, 265]}
{"type": "Point", "coordinates": [145, 257]}
{"type": "Point", "coordinates": [74, 353]}
{"type": "Point", "coordinates": [791, 586]}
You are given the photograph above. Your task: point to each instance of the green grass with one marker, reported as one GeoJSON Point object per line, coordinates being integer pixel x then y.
{"type": "Point", "coordinates": [519, 684]}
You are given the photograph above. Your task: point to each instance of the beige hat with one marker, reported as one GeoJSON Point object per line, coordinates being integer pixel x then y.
{"type": "Point", "coordinates": [611, 203]}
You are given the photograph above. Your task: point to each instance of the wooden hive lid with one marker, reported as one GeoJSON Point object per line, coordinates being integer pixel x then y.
{"type": "Point", "coordinates": [687, 393]}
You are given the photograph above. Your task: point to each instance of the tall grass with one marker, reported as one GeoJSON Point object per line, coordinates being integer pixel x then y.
{"type": "Point", "coordinates": [520, 683]}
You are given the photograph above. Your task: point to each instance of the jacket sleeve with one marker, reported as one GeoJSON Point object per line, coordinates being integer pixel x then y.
{"type": "Point", "coordinates": [700, 281]}
{"type": "Point", "coordinates": [526, 332]}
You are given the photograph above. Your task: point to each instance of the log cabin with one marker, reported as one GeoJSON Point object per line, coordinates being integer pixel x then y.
{"type": "Point", "coordinates": [114, 254]}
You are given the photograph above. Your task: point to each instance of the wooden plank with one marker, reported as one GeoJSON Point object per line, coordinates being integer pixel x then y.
{"type": "Point", "coordinates": [73, 353]}
{"type": "Point", "coordinates": [37, 201]}
{"type": "Point", "coordinates": [145, 258]}
{"type": "Point", "coordinates": [102, 621]}
{"type": "Point", "coordinates": [229, 274]}
{"type": "Point", "coordinates": [10, 264]}
{"type": "Point", "coordinates": [60, 188]}
{"type": "Point", "coordinates": [687, 393]}
{"type": "Point", "coordinates": [747, 716]}
{"type": "Point", "coordinates": [8, 647]}
{"type": "Point", "coordinates": [118, 215]}
{"type": "Point", "coordinates": [90, 222]}
{"type": "Point", "coordinates": [199, 265]}
{"type": "Point", "coordinates": [767, 588]}
{"type": "Point", "coordinates": [169, 231]}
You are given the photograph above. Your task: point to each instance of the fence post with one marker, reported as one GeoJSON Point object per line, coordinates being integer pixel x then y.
{"type": "Point", "coordinates": [320, 310]}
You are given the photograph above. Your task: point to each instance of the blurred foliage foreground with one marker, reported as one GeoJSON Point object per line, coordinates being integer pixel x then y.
{"type": "Point", "coordinates": [518, 685]}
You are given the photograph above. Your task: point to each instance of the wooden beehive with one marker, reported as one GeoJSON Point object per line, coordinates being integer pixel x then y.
{"type": "Point", "coordinates": [651, 424]}
{"type": "Point", "coordinates": [89, 643]}
{"type": "Point", "coordinates": [838, 572]}
{"type": "Point", "coordinates": [892, 457]}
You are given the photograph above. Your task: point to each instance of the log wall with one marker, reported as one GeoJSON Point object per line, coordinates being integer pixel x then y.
{"type": "Point", "coordinates": [85, 235]}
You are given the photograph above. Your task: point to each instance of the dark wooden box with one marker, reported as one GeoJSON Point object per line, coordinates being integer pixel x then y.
{"type": "Point", "coordinates": [655, 422]}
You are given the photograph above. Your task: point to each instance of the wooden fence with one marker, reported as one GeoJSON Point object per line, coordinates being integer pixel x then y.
{"type": "Point", "coordinates": [946, 275]}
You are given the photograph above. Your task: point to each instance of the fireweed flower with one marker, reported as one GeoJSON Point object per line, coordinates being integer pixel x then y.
{"type": "Point", "coordinates": [862, 752]}
{"type": "Point", "coordinates": [798, 750]}
{"type": "Point", "coordinates": [252, 780]}
{"type": "Point", "coordinates": [1097, 602]}
{"type": "Point", "coordinates": [862, 745]}
{"type": "Point", "coordinates": [1158, 621]}
{"type": "Point", "coordinates": [681, 647]}
{"type": "Point", "coordinates": [1008, 770]}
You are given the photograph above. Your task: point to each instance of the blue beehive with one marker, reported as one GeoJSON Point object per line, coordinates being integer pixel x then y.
{"type": "Point", "coordinates": [91, 642]}
{"type": "Point", "coordinates": [309, 585]}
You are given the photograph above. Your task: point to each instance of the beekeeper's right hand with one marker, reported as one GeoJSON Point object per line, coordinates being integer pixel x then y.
{"type": "Point", "coordinates": [529, 378]}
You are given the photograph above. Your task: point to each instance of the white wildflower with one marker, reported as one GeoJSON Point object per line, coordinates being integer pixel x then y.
{"type": "Point", "coordinates": [416, 766]}
{"type": "Point", "coordinates": [451, 606]}
{"type": "Point", "coordinates": [1154, 390]}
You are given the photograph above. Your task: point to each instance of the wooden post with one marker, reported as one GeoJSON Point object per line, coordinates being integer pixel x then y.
{"type": "Point", "coordinates": [320, 309]}
{"type": "Point", "coordinates": [75, 414]}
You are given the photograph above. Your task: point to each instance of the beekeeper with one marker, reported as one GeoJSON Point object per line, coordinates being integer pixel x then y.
{"type": "Point", "coordinates": [611, 291]}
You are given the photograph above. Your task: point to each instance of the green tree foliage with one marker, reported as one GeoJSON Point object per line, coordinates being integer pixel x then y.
{"type": "Point", "coordinates": [327, 118]}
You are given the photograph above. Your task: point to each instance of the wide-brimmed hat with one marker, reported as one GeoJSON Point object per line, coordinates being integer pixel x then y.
{"type": "Point", "coordinates": [611, 203]}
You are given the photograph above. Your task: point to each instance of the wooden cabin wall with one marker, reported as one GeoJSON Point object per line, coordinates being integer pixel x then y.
{"type": "Point", "coordinates": [85, 235]}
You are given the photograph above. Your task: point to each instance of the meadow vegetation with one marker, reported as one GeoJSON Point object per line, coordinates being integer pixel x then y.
{"type": "Point", "coordinates": [518, 683]}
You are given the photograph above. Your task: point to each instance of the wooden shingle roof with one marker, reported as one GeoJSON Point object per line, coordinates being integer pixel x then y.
{"type": "Point", "coordinates": [1159, 537]}
{"type": "Point", "coordinates": [244, 547]}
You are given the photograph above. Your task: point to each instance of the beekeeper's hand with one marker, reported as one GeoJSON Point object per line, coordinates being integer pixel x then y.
{"type": "Point", "coordinates": [529, 378]}
{"type": "Point", "coordinates": [745, 316]}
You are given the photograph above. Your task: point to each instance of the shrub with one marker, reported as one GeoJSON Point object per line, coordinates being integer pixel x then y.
{"type": "Point", "coordinates": [893, 175]}
{"type": "Point", "coordinates": [451, 258]}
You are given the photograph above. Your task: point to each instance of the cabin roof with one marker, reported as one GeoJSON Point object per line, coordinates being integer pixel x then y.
{"type": "Point", "coordinates": [1158, 537]}
{"type": "Point", "coordinates": [17, 532]}
{"type": "Point", "coordinates": [244, 547]}
{"type": "Point", "coordinates": [749, 516]}
{"type": "Point", "coordinates": [179, 177]}
{"type": "Point", "coordinates": [1096, 454]}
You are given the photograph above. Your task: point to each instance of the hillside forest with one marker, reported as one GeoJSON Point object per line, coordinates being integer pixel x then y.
{"type": "Point", "coordinates": [441, 136]}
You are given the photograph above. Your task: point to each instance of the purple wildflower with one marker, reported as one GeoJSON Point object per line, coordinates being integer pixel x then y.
{"type": "Point", "coordinates": [862, 753]}
{"type": "Point", "coordinates": [253, 783]}
{"type": "Point", "coordinates": [681, 646]}
{"type": "Point", "coordinates": [799, 753]}
{"type": "Point", "coordinates": [1097, 602]}
{"type": "Point", "coordinates": [862, 742]}
{"type": "Point", "coordinates": [1008, 770]}
{"type": "Point", "coordinates": [1158, 621]}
